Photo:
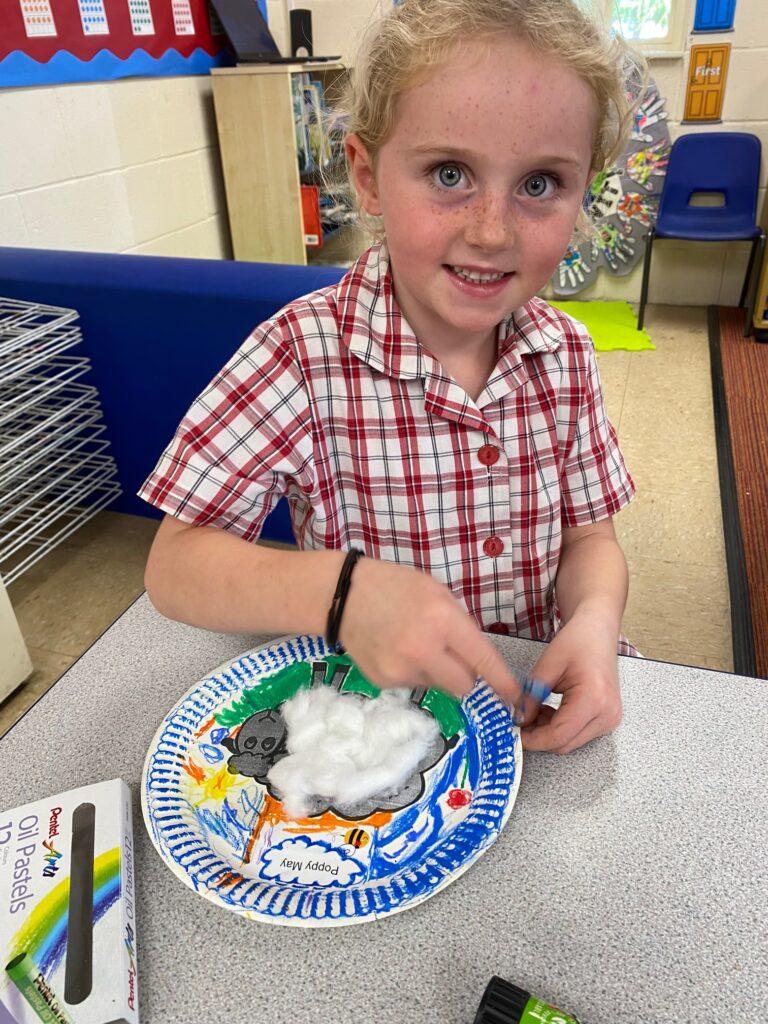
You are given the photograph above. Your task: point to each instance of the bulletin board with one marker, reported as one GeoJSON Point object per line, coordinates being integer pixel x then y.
{"type": "Point", "coordinates": [45, 42]}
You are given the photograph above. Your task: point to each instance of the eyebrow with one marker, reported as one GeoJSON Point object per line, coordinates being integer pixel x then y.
{"type": "Point", "coordinates": [453, 152]}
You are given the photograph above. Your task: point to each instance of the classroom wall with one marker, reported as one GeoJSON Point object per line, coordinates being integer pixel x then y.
{"type": "Point", "coordinates": [700, 274]}
{"type": "Point", "coordinates": [336, 24]}
{"type": "Point", "coordinates": [123, 166]}
{"type": "Point", "coordinates": [133, 165]}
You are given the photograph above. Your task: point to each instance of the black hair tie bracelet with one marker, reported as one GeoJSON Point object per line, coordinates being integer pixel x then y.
{"type": "Point", "coordinates": [340, 595]}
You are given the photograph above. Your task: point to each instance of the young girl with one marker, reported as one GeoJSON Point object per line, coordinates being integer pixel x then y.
{"type": "Point", "coordinates": [428, 410]}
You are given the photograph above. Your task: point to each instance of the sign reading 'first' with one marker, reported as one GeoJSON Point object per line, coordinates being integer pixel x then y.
{"type": "Point", "coordinates": [707, 73]}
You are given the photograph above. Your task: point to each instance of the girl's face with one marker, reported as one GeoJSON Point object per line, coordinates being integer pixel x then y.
{"type": "Point", "coordinates": [479, 187]}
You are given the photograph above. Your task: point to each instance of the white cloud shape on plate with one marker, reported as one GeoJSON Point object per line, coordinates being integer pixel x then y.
{"type": "Point", "coordinates": [309, 863]}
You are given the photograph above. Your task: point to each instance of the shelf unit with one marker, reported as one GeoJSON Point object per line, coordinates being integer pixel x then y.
{"type": "Point", "coordinates": [55, 473]}
{"type": "Point", "coordinates": [259, 156]}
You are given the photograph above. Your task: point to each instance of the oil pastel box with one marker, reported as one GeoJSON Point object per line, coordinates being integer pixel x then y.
{"type": "Point", "coordinates": [67, 909]}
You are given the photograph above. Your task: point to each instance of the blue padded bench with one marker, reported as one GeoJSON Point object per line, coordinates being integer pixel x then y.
{"type": "Point", "coordinates": [156, 330]}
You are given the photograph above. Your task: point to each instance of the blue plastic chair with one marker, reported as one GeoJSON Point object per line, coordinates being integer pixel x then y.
{"type": "Point", "coordinates": [727, 163]}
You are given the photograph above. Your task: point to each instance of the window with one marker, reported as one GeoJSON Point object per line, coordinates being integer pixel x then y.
{"type": "Point", "coordinates": [642, 19]}
{"type": "Point", "coordinates": [656, 26]}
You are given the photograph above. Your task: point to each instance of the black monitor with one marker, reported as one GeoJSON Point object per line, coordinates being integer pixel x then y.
{"type": "Point", "coordinates": [249, 34]}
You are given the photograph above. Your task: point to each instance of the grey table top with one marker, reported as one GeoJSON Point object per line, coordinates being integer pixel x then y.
{"type": "Point", "coordinates": [629, 885]}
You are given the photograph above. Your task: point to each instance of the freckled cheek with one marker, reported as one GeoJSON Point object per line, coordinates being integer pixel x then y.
{"type": "Point", "coordinates": [420, 226]}
{"type": "Point", "coordinates": [544, 244]}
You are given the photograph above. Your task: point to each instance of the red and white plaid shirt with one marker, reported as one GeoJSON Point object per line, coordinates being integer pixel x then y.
{"type": "Point", "coordinates": [334, 404]}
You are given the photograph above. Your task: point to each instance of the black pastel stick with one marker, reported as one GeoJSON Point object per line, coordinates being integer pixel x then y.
{"type": "Point", "coordinates": [78, 970]}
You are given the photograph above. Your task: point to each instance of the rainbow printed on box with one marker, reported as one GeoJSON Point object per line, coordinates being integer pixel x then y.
{"type": "Point", "coordinates": [37, 855]}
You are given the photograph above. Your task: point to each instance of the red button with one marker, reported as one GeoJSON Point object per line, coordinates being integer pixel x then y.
{"type": "Point", "coordinates": [493, 546]}
{"type": "Point", "coordinates": [488, 454]}
{"type": "Point", "coordinates": [499, 627]}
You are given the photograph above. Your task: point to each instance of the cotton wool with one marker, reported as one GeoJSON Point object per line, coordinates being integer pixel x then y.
{"type": "Point", "coordinates": [346, 747]}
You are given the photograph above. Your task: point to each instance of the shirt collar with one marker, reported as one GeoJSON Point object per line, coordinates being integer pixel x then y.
{"type": "Point", "coordinates": [373, 327]}
{"type": "Point", "coordinates": [371, 323]}
{"type": "Point", "coordinates": [534, 327]}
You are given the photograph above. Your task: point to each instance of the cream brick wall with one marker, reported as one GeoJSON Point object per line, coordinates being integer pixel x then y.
{"type": "Point", "coordinates": [124, 166]}
{"type": "Point", "coordinates": [687, 273]}
{"type": "Point", "coordinates": [133, 166]}
{"type": "Point", "coordinates": [336, 24]}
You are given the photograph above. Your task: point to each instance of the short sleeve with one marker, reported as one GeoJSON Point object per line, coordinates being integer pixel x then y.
{"type": "Point", "coordinates": [595, 483]}
{"type": "Point", "coordinates": [244, 441]}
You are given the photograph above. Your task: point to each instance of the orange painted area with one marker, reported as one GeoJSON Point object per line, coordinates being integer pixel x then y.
{"type": "Point", "coordinates": [272, 812]}
{"type": "Point", "coordinates": [230, 878]}
{"type": "Point", "coordinates": [205, 727]}
{"type": "Point", "coordinates": [329, 820]}
{"type": "Point", "coordinates": [195, 771]}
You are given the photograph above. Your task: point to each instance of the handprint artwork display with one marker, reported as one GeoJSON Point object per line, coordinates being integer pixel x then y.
{"type": "Point", "coordinates": [573, 269]}
{"type": "Point", "coordinates": [650, 112]}
{"type": "Point", "coordinates": [647, 164]}
{"type": "Point", "coordinates": [605, 194]}
{"type": "Point", "coordinates": [639, 208]}
{"type": "Point", "coordinates": [614, 248]}
{"type": "Point", "coordinates": [622, 203]}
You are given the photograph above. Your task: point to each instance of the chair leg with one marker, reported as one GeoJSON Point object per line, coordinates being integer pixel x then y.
{"type": "Point", "coordinates": [748, 275]}
{"type": "Point", "coordinates": [759, 250]}
{"type": "Point", "coordinates": [646, 276]}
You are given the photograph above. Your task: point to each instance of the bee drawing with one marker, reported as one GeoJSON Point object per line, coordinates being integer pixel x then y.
{"type": "Point", "coordinates": [357, 837]}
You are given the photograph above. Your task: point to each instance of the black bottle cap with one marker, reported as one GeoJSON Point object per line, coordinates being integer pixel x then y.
{"type": "Point", "coordinates": [502, 1003]}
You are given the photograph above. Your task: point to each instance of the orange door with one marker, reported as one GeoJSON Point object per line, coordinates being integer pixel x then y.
{"type": "Point", "coordinates": [706, 82]}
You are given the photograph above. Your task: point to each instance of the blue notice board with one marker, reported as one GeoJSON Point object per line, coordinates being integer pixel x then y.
{"type": "Point", "coordinates": [714, 15]}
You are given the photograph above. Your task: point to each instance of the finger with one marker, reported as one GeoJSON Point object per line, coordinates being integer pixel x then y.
{"type": "Point", "coordinates": [485, 661]}
{"type": "Point", "coordinates": [587, 734]}
{"type": "Point", "coordinates": [538, 739]}
{"type": "Point", "coordinates": [598, 726]}
{"type": "Point", "coordinates": [559, 731]}
{"type": "Point", "coordinates": [535, 692]}
{"type": "Point", "coordinates": [543, 715]}
{"type": "Point", "coordinates": [451, 674]}
{"type": "Point", "coordinates": [472, 647]}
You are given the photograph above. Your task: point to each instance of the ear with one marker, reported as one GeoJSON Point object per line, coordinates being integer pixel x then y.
{"type": "Point", "coordinates": [363, 174]}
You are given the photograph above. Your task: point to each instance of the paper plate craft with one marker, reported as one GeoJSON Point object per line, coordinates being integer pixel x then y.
{"type": "Point", "coordinates": [622, 202]}
{"type": "Point", "coordinates": [217, 820]}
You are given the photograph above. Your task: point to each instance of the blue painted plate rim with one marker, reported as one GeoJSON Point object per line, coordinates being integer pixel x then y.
{"type": "Point", "coordinates": [479, 707]}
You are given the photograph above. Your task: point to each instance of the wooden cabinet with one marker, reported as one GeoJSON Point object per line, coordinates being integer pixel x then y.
{"type": "Point", "coordinates": [15, 665]}
{"type": "Point", "coordinates": [257, 138]}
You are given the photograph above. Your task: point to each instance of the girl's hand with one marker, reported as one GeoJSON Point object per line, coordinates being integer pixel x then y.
{"type": "Point", "coordinates": [581, 664]}
{"type": "Point", "coordinates": [404, 628]}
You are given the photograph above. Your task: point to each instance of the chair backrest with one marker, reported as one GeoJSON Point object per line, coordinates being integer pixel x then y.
{"type": "Point", "coordinates": [727, 163]}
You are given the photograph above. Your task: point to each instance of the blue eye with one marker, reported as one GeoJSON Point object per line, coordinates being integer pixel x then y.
{"type": "Point", "coordinates": [449, 175]}
{"type": "Point", "coordinates": [539, 186]}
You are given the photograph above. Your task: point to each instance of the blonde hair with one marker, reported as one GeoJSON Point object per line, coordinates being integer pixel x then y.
{"type": "Point", "coordinates": [414, 38]}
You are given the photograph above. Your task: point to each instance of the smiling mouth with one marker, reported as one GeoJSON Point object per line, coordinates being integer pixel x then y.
{"type": "Point", "coordinates": [476, 276]}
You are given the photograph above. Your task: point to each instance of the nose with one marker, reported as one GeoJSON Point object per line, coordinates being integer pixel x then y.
{"type": "Point", "coordinates": [489, 224]}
